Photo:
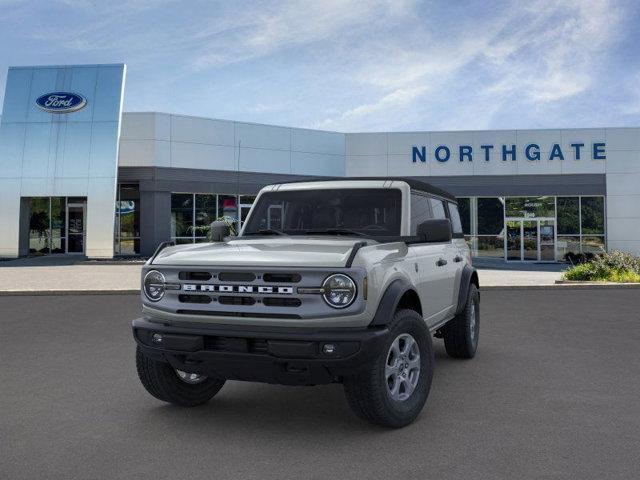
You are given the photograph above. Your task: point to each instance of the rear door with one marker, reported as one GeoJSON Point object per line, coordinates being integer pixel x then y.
{"type": "Point", "coordinates": [448, 263]}
{"type": "Point", "coordinates": [462, 251]}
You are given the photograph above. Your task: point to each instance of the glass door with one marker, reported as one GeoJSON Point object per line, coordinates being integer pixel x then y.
{"type": "Point", "coordinates": [530, 240]}
{"type": "Point", "coordinates": [547, 240]}
{"type": "Point", "coordinates": [513, 240]}
{"type": "Point", "coordinates": [75, 227]}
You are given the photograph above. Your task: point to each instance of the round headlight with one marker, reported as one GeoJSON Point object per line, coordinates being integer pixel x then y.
{"type": "Point", "coordinates": [153, 285]}
{"type": "Point", "coordinates": [339, 291]}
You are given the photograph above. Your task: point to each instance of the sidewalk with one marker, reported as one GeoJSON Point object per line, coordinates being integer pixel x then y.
{"type": "Point", "coordinates": [60, 275]}
{"type": "Point", "coordinates": [498, 273]}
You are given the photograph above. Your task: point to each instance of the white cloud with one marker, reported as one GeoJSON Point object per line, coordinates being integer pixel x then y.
{"type": "Point", "coordinates": [541, 53]}
{"type": "Point", "coordinates": [349, 64]}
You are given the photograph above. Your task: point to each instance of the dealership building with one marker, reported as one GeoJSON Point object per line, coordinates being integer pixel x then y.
{"type": "Point", "coordinates": [80, 176]}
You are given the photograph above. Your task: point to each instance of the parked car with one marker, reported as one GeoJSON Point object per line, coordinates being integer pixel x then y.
{"type": "Point", "coordinates": [329, 281]}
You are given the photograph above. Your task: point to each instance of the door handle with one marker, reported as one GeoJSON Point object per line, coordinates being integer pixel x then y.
{"type": "Point", "coordinates": [457, 259]}
{"type": "Point", "coordinates": [441, 262]}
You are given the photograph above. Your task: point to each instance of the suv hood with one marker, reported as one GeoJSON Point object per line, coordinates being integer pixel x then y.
{"type": "Point", "coordinates": [263, 252]}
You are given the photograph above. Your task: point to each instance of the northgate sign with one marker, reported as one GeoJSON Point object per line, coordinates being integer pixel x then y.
{"type": "Point", "coordinates": [531, 152]}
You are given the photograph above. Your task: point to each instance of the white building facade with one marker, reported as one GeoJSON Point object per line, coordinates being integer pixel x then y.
{"type": "Point", "coordinates": [525, 195]}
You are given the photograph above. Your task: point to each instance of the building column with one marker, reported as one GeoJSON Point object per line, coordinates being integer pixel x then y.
{"type": "Point", "coordinates": [9, 217]}
{"type": "Point", "coordinates": [155, 220]}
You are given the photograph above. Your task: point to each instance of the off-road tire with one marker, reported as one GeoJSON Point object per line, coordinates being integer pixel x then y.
{"type": "Point", "coordinates": [368, 394]}
{"type": "Point", "coordinates": [161, 381]}
{"type": "Point", "coordinates": [460, 338]}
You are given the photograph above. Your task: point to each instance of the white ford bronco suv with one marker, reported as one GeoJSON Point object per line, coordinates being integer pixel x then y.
{"type": "Point", "coordinates": [328, 281]}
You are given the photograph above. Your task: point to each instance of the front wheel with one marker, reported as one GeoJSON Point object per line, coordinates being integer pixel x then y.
{"type": "Point", "coordinates": [175, 386]}
{"type": "Point", "coordinates": [393, 389]}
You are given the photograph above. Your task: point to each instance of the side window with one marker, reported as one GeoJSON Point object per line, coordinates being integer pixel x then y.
{"type": "Point", "coordinates": [437, 208]}
{"type": "Point", "coordinates": [420, 211]}
{"type": "Point", "coordinates": [454, 214]}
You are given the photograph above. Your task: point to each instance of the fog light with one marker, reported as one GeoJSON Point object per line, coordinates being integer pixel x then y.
{"type": "Point", "coordinates": [328, 348]}
{"type": "Point", "coordinates": [157, 338]}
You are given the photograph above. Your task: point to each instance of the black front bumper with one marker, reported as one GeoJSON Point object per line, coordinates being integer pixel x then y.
{"type": "Point", "coordinates": [288, 356]}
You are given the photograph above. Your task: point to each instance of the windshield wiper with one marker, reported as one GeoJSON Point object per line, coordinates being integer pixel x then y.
{"type": "Point", "coordinates": [336, 231]}
{"type": "Point", "coordinates": [266, 231]}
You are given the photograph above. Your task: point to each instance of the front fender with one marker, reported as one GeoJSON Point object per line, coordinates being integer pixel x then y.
{"type": "Point", "coordinates": [389, 301]}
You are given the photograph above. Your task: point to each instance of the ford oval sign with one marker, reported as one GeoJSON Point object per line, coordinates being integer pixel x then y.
{"type": "Point", "coordinates": [61, 102]}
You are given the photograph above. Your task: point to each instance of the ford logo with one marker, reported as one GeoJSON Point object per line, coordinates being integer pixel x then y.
{"type": "Point", "coordinates": [61, 102]}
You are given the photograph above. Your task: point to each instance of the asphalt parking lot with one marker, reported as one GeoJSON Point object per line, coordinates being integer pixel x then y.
{"type": "Point", "coordinates": [554, 392]}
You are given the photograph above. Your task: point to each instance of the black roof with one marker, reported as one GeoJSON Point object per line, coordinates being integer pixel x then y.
{"type": "Point", "coordinates": [413, 183]}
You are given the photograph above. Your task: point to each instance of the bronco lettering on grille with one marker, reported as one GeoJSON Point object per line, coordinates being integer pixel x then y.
{"type": "Point", "coordinates": [192, 287]}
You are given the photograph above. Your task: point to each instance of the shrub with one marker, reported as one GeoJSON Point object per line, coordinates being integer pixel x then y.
{"type": "Point", "coordinates": [578, 258]}
{"type": "Point", "coordinates": [615, 266]}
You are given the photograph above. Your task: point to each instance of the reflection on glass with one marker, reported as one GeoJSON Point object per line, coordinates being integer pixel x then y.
{"type": "Point", "coordinates": [530, 207]}
{"type": "Point", "coordinates": [58, 245]}
{"type": "Point", "coordinates": [568, 216]}
{"type": "Point", "coordinates": [129, 246]}
{"type": "Point", "coordinates": [75, 237]}
{"type": "Point", "coordinates": [593, 244]}
{"type": "Point", "coordinates": [205, 210]}
{"type": "Point", "coordinates": [127, 220]}
{"type": "Point", "coordinates": [181, 214]}
{"type": "Point", "coordinates": [490, 216]}
{"type": "Point", "coordinates": [530, 240]}
{"type": "Point", "coordinates": [547, 241]}
{"type": "Point", "coordinates": [592, 215]}
{"type": "Point", "coordinates": [491, 246]}
{"type": "Point", "coordinates": [514, 240]}
{"type": "Point", "coordinates": [228, 207]}
{"type": "Point", "coordinates": [129, 211]}
{"type": "Point", "coordinates": [568, 244]}
{"type": "Point", "coordinates": [58, 216]}
{"type": "Point", "coordinates": [39, 225]}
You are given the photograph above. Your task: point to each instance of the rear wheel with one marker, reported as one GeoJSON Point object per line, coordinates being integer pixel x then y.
{"type": "Point", "coordinates": [393, 389]}
{"type": "Point", "coordinates": [461, 334]}
{"type": "Point", "coordinates": [175, 386]}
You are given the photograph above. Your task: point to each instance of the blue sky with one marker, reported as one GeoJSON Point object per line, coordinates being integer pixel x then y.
{"type": "Point", "coordinates": [375, 65]}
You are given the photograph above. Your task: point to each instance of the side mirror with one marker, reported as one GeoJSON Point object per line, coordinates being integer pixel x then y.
{"type": "Point", "coordinates": [435, 230]}
{"type": "Point", "coordinates": [219, 230]}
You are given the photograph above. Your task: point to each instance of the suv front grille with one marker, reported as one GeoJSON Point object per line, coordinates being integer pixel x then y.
{"type": "Point", "coordinates": [228, 300]}
{"type": "Point", "coordinates": [267, 293]}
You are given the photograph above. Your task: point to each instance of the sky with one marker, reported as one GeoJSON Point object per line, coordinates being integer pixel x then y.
{"type": "Point", "coordinates": [351, 65]}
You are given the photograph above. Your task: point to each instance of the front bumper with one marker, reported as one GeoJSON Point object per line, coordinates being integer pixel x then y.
{"type": "Point", "coordinates": [288, 356]}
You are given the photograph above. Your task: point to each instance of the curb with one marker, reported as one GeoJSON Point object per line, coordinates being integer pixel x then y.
{"type": "Point", "coordinates": [39, 293]}
{"type": "Point", "coordinates": [564, 286]}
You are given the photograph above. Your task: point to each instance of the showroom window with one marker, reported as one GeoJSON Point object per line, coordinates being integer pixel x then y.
{"type": "Point", "coordinates": [193, 213]}
{"type": "Point", "coordinates": [581, 223]}
{"type": "Point", "coordinates": [57, 225]}
{"type": "Point", "coordinates": [490, 227]}
{"type": "Point", "coordinates": [127, 228]}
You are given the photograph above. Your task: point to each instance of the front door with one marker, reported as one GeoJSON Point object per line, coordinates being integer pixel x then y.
{"type": "Point", "coordinates": [530, 240]}
{"type": "Point", "coordinates": [75, 227]}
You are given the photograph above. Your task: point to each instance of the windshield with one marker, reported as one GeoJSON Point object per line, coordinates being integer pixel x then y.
{"type": "Point", "coordinates": [366, 212]}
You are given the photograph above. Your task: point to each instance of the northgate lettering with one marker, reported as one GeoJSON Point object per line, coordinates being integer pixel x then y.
{"type": "Point", "coordinates": [531, 152]}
